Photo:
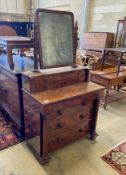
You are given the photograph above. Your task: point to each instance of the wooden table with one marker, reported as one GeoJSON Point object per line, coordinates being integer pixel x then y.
{"type": "Point", "coordinates": [11, 42]}
{"type": "Point", "coordinates": [109, 79]}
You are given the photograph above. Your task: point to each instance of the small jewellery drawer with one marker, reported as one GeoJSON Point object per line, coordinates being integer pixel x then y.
{"type": "Point", "coordinates": [69, 136]}
{"type": "Point", "coordinates": [68, 119]}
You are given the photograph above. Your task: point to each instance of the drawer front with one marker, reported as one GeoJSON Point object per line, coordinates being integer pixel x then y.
{"type": "Point", "coordinates": [99, 80]}
{"type": "Point", "coordinates": [68, 119]}
{"type": "Point", "coordinates": [59, 107]}
{"type": "Point", "coordinates": [53, 81]}
{"type": "Point", "coordinates": [69, 136]}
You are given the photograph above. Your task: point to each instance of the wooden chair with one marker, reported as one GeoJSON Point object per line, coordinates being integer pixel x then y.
{"type": "Point", "coordinates": [118, 53]}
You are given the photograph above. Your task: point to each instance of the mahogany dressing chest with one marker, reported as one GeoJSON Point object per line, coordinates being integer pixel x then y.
{"type": "Point", "coordinates": [64, 104]}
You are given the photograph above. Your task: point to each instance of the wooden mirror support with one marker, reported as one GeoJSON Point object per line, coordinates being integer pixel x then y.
{"type": "Point", "coordinates": [36, 50]}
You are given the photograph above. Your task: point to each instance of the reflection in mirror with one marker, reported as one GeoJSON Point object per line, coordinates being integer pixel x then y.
{"type": "Point", "coordinates": [56, 38]}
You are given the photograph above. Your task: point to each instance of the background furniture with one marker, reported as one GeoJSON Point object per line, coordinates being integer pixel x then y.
{"type": "Point", "coordinates": [93, 47]}
{"type": "Point", "coordinates": [11, 99]}
{"type": "Point", "coordinates": [120, 39]}
{"type": "Point", "coordinates": [113, 57]}
{"type": "Point", "coordinates": [6, 31]}
{"type": "Point", "coordinates": [11, 42]}
{"type": "Point", "coordinates": [108, 78]}
{"type": "Point", "coordinates": [98, 41]}
{"type": "Point", "coordinates": [117, 56]}
{"type": "Point", "coordinates": [21, 28]}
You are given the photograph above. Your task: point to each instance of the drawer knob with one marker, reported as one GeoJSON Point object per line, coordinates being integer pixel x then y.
{"type": "Point", "coordinates": [124, 80]}
{"type": "Point", "coordinates": [83, 103]}
{"type": "Point", "coordinates": [80, 130]}
{"type": "Point", "coordinates": [59, 112]}
{"type": "Point", "coordinates": [81, 116]}
{"type": "Point", "coordinates": [59, 140]}
{"type": "Point", "coordinates": [59, 125]}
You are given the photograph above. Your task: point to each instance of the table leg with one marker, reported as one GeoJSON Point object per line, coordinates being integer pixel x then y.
{"type": "Point", "coordinates": [106, 98]}
{"type": "Point", "coordinates": [93, 133]}
{"type": "Point", "coordinates": [119, 63]}
{"type": "Point", "coordinates": [10, 57]}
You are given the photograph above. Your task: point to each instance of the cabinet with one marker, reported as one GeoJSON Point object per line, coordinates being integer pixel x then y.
{"type": "Point", "coordinates": [11, 102]}
{"type": "Point", "coordinates": [98, 40]}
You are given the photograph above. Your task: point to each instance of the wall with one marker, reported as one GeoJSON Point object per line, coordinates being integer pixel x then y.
{"type": "Point", "coordinates": [100, 16]}
{"type": "Point", "coordinates": [12, 10]}
{"type": "Point", "coordinates": [75, 6]}
{"type": "Point", "coordinates": [103, 14]}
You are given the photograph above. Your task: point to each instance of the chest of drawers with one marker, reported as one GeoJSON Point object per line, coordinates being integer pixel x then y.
{"type": "Point", "coordinates": [66, 114]}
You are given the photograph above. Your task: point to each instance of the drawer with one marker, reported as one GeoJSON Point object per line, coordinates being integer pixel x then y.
{"type": "Point", "coordinates": [69, 136]}
{"type": "Point", "coordinates": [61, 106]}
{"type": "Point", "coordinates": [68, 119]}
{"type": "Point", "coordinates": [53, 79]}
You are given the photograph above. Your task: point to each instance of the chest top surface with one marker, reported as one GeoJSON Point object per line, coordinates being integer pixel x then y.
{"type": "Point", "coordinates": [59, 94]}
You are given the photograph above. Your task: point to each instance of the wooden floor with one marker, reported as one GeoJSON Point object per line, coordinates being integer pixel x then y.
{"type": "Point", "coordinates": [80, 158]}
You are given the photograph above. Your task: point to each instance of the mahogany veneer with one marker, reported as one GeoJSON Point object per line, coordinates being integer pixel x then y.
{"type": "Point", "coordinates": [68, 111]}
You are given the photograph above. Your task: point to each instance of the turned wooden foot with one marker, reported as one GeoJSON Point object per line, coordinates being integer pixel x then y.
{"type": "Point", "coordinates": [45, 159]}
{"type": "Point", "coordinates": [93, 135]}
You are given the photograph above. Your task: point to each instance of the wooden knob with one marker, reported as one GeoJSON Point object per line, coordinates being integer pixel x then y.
{"type": "Point", "coordinates": [59, 125]}
{"type": "Point", "coordinates": [59, 140]}
{"type": "Point", "coordinates": [44, 79]}
{"type": "Point", "coordinates": [80, 130]}
{"type": "Point", "coordinates": [81, 116]}
{"type": "Point", "coordinates": [59, 112]}
{"type": "Point", "coordinates": [124, 80]}
{"type": "Point", "coordinates": [83, 103]}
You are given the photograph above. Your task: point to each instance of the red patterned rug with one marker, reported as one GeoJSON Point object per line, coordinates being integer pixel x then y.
{"type": "Point", "coordinates": [7, 136]}
{"type": "Point", "coordinates": [116, 157]}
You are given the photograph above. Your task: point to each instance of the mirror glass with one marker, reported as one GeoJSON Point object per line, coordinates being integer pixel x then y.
{"type": "Point", "coordinates": [55, 38]}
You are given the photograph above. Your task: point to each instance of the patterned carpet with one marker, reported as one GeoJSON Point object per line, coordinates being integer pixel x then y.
{"type": "Point", "coordinates": [116, 158]}
{"type": "Point", "coordinates": [7, 136]}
